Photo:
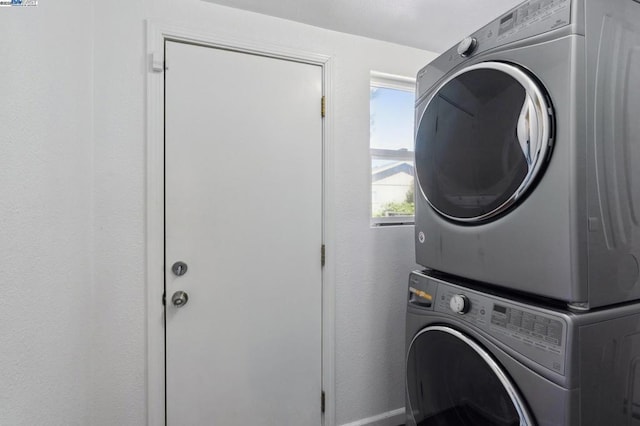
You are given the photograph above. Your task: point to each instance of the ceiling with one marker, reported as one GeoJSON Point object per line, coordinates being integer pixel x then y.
{"type": "Point", "coordinates": [433, 25]}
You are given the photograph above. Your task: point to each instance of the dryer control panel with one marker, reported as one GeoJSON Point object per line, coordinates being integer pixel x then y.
{"type": "Point", "coordinates": [537, 15]}
{"type": "Point", "coordinates": [536, 333]}
{"type": "Point", "coordinates": [527, 20]}
{"type": "Point", "coordinates": [530, 19]}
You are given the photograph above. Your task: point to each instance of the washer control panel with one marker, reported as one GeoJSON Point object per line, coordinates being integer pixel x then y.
{"type": "Point", "coordinates": [540, 329]}
{"type": "Point", "coordinates": [538, 334]}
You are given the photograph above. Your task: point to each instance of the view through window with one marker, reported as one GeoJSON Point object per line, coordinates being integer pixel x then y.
{"type": "Point", "coordinates": [391, 145]}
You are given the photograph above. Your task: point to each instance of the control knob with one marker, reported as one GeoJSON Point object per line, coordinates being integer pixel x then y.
{"type": "Point", "coordinates": [467, 46]}
{"type": "Point", "coordinates": [460, 304]}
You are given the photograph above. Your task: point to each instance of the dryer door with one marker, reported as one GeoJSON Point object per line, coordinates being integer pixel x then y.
{"type": "Point", "coordinates": [452, 381]}
{"type": "Point", "coordinates": [481, 141]}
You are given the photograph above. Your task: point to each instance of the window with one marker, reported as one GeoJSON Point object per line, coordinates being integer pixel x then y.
{"type": "Point", "coordinates": [391, 111]}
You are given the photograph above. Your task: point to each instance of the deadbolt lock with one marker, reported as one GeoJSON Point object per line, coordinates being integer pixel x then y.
{"type": "Point", "coordinates": [179, 268]}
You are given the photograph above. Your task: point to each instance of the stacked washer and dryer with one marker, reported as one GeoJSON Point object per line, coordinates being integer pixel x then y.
{"type": "Point", "coordinates": [528, 223]}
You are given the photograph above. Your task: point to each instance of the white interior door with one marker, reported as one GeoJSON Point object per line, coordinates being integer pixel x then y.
{"type": "Point", "coordinates": [243, 211]}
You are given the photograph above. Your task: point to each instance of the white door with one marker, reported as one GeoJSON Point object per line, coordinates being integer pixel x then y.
{"type": "Point", "coordinates": [243, 211]}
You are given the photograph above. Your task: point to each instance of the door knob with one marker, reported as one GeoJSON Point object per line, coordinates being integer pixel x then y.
{"type": "Point", "coordinates": [179, 299]}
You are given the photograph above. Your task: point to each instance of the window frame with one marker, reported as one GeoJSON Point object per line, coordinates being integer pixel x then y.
{"type": "Point", "coordinates": [406, 84]}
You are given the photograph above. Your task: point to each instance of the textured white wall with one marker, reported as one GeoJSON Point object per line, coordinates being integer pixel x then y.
{"type": "Point", "coordinates": [45, 213]}
{"type": "Point", "coordinates": [119, 351]}
{"type": "Point", "coordinates": [74, 353]}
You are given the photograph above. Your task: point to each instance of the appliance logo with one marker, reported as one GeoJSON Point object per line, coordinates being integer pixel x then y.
{"type": "Point", "coordinates": [5, 3]}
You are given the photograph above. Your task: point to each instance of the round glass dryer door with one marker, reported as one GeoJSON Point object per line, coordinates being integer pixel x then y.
{"type": "Point", "coordinates": [482, 140]}
{"type": "Point", "coordinates": [452, 381]}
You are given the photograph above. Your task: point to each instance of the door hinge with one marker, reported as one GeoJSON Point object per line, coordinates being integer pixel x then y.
{"type": "Point", "coordinates": [322, 402]}
{"type": "Point", "coordinates": [164, 299]}
{"type": "Point", "coordinates": [323, 256]}
{"type": "Point", "coordinates": [322, 107]}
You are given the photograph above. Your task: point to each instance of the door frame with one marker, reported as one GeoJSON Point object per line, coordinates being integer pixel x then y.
{"type": "Point", "coordinates": [157, 34]}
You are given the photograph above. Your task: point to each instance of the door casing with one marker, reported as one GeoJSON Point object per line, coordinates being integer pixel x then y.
{"type": "Point", "coordinates": [157, 34]}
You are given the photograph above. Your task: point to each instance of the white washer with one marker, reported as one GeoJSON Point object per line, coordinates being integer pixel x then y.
{"type": "Point", "coordinates": [528, 153]}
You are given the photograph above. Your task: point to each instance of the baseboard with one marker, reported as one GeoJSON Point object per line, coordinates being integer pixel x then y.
{"type": "Point", "coordinates": [390, 418]}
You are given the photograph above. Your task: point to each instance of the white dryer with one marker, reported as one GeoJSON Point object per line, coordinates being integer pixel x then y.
{"type": "Point", "coordinates": [528, 153]}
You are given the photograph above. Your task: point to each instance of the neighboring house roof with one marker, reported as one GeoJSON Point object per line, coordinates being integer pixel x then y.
{"type": "Point", "coordinates": [393, 169]}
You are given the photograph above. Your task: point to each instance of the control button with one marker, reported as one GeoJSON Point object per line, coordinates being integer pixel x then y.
{"type": "Point", "coordinates": [467, 46]}
{"type": "Point", "coordinates": [543, 320]}
{"type": "Point", "coordinates": [528, 320]}
{"type": "Point", "coordinates": [460, 304]}
{"type": "Point", "coordinates": [541, 346]}
{"type": "Point", "coordinates": [499, 322]}
{"type": "Point", "coordinates": [539, 328]}
{"type": "Point", "coordinates": [555, 331]}
{"type": "Point", "coordinates": [552, 340]}
{"type": "Point", "coordinates": [516, 318]}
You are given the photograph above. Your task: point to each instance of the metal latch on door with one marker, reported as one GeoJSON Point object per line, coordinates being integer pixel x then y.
{"type": "Point", "coordinates": [179, 298]}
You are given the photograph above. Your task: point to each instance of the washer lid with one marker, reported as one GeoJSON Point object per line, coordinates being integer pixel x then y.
{"type": "Point", "coordinates": [481, 141]}
{"type": "Point", "coordinates": [453, 381]}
